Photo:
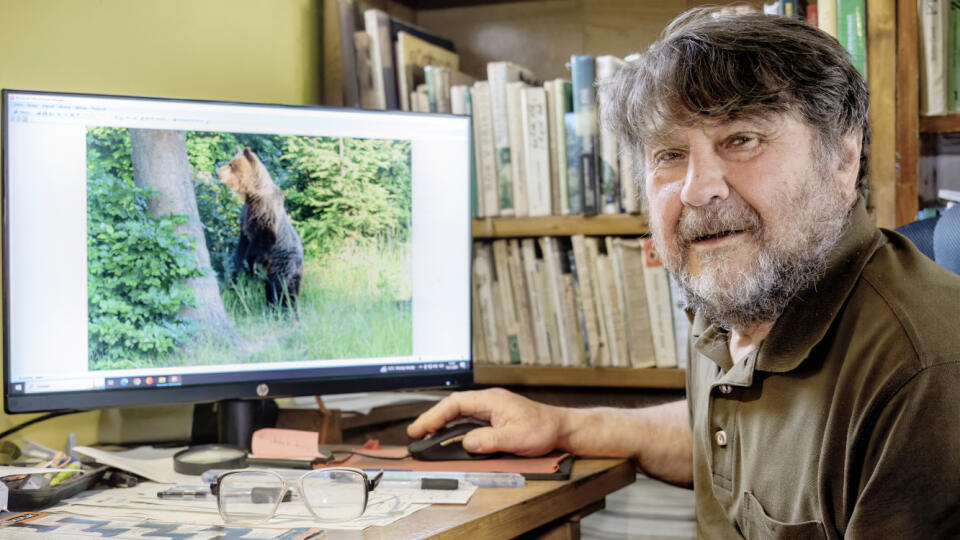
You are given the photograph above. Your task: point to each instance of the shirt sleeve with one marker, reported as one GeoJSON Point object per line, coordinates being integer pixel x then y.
{"type": "Point", "coordinates": [909, 486]}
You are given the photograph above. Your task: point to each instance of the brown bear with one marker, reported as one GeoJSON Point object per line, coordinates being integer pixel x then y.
{"type": "Point", "coordinates": [267, 239]}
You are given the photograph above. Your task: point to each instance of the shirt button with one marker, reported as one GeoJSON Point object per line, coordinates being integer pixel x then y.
{"type": "Point", "coordinates": [720, 437]}
{"type": "Point", "coordinates": [725, 388]}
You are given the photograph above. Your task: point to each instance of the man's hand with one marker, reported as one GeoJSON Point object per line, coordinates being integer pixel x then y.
{"type": "Point", "coordinates": [517, 425]}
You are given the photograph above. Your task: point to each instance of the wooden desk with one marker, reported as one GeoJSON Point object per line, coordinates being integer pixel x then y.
{"type": "Point", "coordinates": [553, 508]}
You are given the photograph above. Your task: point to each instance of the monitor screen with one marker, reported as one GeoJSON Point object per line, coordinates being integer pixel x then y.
{"type": "Point", "coordinates": [162, 251]}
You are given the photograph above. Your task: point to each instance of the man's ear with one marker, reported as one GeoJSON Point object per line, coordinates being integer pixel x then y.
{"type": "Point", "coordinates": [848, 168]}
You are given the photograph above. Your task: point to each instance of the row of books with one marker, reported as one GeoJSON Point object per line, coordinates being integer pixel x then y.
{"type": "Point", "coordinates": [939, 27]}
{"type": "Point", "coordinates": [845, 20]}
{"type": "Point", "coordinates": [538, 149]}
{"type": "Point", "coordinates": [576, 301]}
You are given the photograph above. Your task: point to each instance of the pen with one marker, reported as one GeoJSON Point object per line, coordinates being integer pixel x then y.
{"type": "Point", "coordinates": [184, 492]}
{"type": "Point", "coordinates": [422, 483]}
{"type": "Point", "coordinates": [475, 478]}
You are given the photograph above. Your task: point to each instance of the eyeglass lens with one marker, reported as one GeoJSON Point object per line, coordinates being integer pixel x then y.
{"type": "Point", "coordinates": [254, 496]}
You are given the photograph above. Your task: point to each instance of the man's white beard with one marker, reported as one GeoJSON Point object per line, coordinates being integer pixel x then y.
{"type": "Point", "coordinates": [787, 260]}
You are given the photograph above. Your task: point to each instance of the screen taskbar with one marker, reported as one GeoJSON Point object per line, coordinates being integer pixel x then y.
{"type": "Point", "coordinates": [140, 381]}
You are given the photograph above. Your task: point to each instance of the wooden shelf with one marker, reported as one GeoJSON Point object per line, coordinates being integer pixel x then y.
{"type": "Point", "coordinates": [940, 124]}
{"type": "Point", "coordinates": [604, 224]}
{"type": "Point", "coordinates": [573, 376]}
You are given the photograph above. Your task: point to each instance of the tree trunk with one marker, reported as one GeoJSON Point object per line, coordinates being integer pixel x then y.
{"type": "Point", "coordinates": [160, 161]}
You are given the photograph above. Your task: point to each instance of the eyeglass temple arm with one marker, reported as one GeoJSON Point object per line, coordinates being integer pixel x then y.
{"type": "Point", "coordinates": [372, 483]}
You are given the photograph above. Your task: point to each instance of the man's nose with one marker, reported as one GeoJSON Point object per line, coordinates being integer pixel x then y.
{"type": "Point", "coordinates": [705, 178]}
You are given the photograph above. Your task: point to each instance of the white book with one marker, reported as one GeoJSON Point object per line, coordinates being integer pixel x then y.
{"type": "Point", "coordinates": [485, 151]}
{"type": "Point", "coordinates": [536, 152]}
{"type": "Point", "coordinates": [498, 75]}
{"type": "Point", "coordinates": [661, 308]}
{"type": "Point", "coordinates": [364, 67]}
{"type": "Point", "coordinates": [630, 258]}
{"type": "Point", "coordinates": [531, 265]}
{"type": "Point", "coordinates": [522, 307]}
{"type": "Point", "coordinates": [555, 206]}
{"type": "Point", "coordinates": [587, 303]}
{"type": "Point", "coordinates": [551, 259]}
{"type": "Point", "coordinates": [827, 16]}
{"type": "Point", "coordinates": [483, 274]}
{"type": "Point", "coordinates": [609, 163]}
{"type": "Point", "coordinates": [934, 26]}
{"type": "Point", "coordinates": [604, 333]}
{"type": "Point", "coordinates": [377, 25]}
{"type": "Point", "coordinates": [517, 165]}
{"type": "Point", "coordinates": [501, 266]}
{"type": "Point", "coordinates": [628, 182]}
{"type": "Point", "coordinates": [458, 99]}
{"type": "Point", "coordinates": [608, 312]}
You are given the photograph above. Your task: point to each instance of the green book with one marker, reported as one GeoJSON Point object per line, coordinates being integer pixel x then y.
{"type": "Point", "coordinates": [852, 31]}
{"type": "Point", "coordinates": [953, 58]}
{"type": "Point", "coordinates": [474, 193]}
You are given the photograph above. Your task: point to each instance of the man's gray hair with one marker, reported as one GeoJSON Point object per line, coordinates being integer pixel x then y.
{"type": "Point", "coordinates": [713, 65]}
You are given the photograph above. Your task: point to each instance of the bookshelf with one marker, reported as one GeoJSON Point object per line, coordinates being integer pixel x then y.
{"type": "Point", "coordinates": [652, 378]}
{"type": "Point", "coordinates": [940, 124]}
{"type": "Point", "coordinates": [604, 225]}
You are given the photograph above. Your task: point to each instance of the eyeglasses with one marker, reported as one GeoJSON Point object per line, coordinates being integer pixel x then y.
{"type": "Point", "coordinates": [331, 494]}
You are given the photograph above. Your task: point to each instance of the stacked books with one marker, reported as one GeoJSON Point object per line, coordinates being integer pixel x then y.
{"type": "Point", "coordinates": [576, 301]}
{"type": "Point", "coordinates": [939, 26]}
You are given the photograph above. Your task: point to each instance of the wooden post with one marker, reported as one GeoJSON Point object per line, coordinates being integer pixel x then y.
{"type": "Point", "coordinates": [908, 112]}
{"type": "Point", "coordinates": [882, 78]}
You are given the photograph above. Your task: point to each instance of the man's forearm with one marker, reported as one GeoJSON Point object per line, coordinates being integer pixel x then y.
{"type": "Point", "coordinates": [658, 437]}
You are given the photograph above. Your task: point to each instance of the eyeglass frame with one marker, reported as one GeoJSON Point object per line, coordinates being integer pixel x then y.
{"type": "Point", "coordinates": [369, 485]}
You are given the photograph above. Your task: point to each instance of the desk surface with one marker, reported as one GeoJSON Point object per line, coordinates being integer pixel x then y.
{"type": "Point", "coordinates": [498, 513]}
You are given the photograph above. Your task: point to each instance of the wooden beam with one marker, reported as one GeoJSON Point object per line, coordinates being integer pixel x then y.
{"type": "Point", "coordinates": [908, 113]}
{"type": "Point", "coordinates": [882, 78]}
{"type": "Point", "coordinates": [487, 374]}
{"type": "Point", "coordinates": [606, 224]}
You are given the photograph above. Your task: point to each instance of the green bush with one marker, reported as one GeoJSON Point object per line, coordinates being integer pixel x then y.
{"type": "Point", "coordinates": [137, 265]}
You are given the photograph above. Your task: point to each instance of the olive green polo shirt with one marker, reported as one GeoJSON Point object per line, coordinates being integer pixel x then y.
{"type": "Point", "coordinates": [845, 421]}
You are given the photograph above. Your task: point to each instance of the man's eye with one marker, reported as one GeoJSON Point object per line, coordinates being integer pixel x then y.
{"type": "Point", "coordinates": [743, 141]}
{"type": "Point", "coordinates": [668, 156]}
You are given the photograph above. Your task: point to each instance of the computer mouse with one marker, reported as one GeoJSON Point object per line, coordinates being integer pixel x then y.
{"type": "Point", "coordinates": [447, 444]}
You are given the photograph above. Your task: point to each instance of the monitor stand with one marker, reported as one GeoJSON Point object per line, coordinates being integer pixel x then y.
{"type": "Point", "coordinates": [232, 421]}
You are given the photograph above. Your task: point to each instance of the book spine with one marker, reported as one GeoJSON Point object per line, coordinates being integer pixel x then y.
{"type": "Point", "coordinates": [603, 334]}
{"type": "Point", "coordinates": [577, 357]}
{"type": "Point", "coordinates": [364, 66]}
{"type": "Point", "coordinates": [484, 276]}
{"type": "Point", "coordinates": [536, 150]}
{"type": "Point", "coordinates": [541, 338]}
{"type": "Point", "coordinates": [628, 183]}
{"type": "Point", "coordinates": [521, 299]}
{"type": "Point", "coordinates": [609, 163]}
{"type": "Point", "coordinates": [476, 324]}
{"type": "Point", "coordinates": [486, 159]}
{"type": "Point", "coordinates": [953, 58]}
{"type": "Point", "coordinates": [619, 304]}
{"type": "Point", "coordinates": [827, 16]}
{"type": "Point", "coordinates": [587, 303]}
{"type": "Point", "coordinates": [574, 148]}
{"type": "Point", "coordinates": [442, 89]}
{"type": "Point", "coordinates": [681, 324]}
{"type": "Point", "coordinates": [467, 100]}
{"type": "Point", "coordinates": [507, 310]}
{"type": "Point", "coordinates": [377, 24]}
{"type": "Point", "coordinates": [564, 105]}
{"type": "Point", "coordinates": [430, 75]}
{"type": "Point", "coordinates": [521, 206]}
{"type": "Point", "coordinates": [661, 309]}
{"type": "Point", "coordinates": [812, 18]}
{"type": "Point", "coordinates": [636, 311]}
{"type": "Point", "coordinates": [933, 66]}
{"type": "Point", "coordinates": [605, 277]}
{"type": "Point", "coordinates": [551, 259]}
{"type": "Point", "coordinates": [346, 17]}
{"type": "Point", "coordinates": [789, 8]}
{"type": "Point", "coordinates": [852, 31]}
{"type": "Point", "coordinates": [497, 77]}
{"type": "Point", "coordinates": [551, 92]}
{"type": "Point", "coordinates": [585, 110]}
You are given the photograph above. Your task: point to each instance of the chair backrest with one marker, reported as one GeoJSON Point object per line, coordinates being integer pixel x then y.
{"type": "Point", "coordinates": [921, 234]}
{"type": "Point", "coordinates": [946, 240]}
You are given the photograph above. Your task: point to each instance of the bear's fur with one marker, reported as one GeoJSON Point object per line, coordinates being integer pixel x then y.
{"type": "Point", "coordinates": [267, 238]}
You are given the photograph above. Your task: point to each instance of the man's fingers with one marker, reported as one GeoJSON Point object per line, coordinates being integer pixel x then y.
{"type": "Point", "coordinates": [450, 408]}
{"type": "Point", "coordinates": [483, 440]}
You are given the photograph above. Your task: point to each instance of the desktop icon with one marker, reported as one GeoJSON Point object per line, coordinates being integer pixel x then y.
{"type": "Point", "coordinates": [149, 380]}
{"type": "Point", "coordinates": [174, 379]}
{"type": "Point", "coordinates": [18, 388]}
{"type": "Point", "coordinates": [136, 381]}
{"type": "Point", "coordinates": [124, 381]}
{"type": "Point", "coordinates": [161, 380]}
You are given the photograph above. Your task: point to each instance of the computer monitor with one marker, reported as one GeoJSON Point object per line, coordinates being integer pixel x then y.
{"type": "Point", "coordinates": [166, 250]}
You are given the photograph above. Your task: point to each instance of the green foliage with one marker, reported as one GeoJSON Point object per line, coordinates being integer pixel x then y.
{"type": "Point", "coordinates": [347, 188]}
{"type": "Point", "coordinates": [136, 271]}
{"type": "Point", "coordinates": [108, 153]}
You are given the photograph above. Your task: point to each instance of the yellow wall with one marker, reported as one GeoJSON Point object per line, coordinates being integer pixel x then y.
{"type": "Point", "coordinates": [241, 50]}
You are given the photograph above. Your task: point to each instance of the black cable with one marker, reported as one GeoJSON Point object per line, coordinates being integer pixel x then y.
{"type": "Point", "coordinates": [47, 416]}
{"type": "Point", "coordinates": [372, 456]}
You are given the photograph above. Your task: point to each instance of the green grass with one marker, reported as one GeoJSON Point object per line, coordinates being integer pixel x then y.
{"type": "Point", "coordinates": [354, 304]}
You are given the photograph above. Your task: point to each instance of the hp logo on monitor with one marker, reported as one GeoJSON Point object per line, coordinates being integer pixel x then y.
{"type": "Point", "coordinates": [263, 390]}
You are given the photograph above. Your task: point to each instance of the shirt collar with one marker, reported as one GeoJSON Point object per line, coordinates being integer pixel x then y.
{"type": "Point", "coordinates": [807, 317]}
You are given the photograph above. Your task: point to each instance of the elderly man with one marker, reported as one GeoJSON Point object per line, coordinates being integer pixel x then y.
{"type": "Point", "coordinates": [823, 391]}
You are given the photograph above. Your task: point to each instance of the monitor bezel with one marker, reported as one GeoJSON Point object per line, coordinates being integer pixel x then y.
{"type": "Point", "coordinates": [205, 393]}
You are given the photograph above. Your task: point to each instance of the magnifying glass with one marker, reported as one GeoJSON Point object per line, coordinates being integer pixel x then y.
{"type": "Point", "coordinates": [197, 459]}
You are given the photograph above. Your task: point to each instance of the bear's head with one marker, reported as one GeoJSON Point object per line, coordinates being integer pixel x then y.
{"type": "Point", "coordinates": [242, 174]}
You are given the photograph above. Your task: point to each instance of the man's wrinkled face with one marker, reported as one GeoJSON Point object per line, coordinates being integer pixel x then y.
{"type": "Point", "coordinates": [744, 213]}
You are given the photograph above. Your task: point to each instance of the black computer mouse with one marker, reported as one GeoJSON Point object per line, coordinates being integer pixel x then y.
{"type": "Point", "coordinates": [447, 444]}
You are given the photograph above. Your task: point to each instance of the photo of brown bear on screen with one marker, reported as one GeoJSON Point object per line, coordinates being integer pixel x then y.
{"type": "Point", "coordinates": [209, 248]}
{"type": "Point", "coordinates": [267, 238]}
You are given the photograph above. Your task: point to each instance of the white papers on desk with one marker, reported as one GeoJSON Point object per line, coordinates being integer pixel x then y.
{"type": "Point", "coordinates": [152, 463]}
{"type": "Point", "coordinates": [141, 503]}
{"type": "Point", "coordinates": [361, 403]}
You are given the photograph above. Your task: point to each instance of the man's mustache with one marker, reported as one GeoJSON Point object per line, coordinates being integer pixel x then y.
{"type": "Point", "coordinates": [706, 222]}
